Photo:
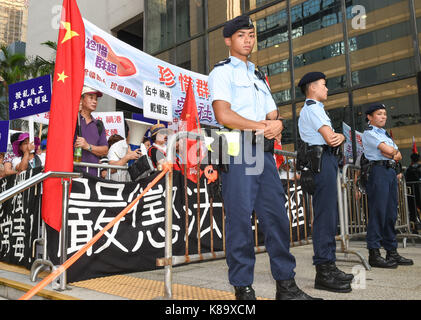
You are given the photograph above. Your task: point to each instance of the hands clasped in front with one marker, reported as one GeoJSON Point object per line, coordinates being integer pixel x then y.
{"type": "Point", "coordinates": [273, 129]}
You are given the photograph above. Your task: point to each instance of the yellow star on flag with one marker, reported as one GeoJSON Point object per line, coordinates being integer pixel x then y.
{"type": "Point", "coordinates": [61, 77]}
{"type": "Point", "coordinates": [69, 33]}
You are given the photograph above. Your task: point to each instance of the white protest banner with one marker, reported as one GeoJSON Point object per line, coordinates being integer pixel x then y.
{"type": "Point", "coordinates": [119, 70]}
{"type": "Point", "coordinates": [43, 118]}
{"type": "Point", "coordinates": [113, 122]}
{"type": "Point", "coordinates": [157, 102]}
{"type": "Point", "coordinates": [346, 129]}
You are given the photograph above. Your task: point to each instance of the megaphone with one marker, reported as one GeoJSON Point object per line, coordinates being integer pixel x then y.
{"type": "Point", "coordinates": [137, 130]}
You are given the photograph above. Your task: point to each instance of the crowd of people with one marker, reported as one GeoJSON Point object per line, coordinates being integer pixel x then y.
{"type": "Point", "coordinates": [24, 154]}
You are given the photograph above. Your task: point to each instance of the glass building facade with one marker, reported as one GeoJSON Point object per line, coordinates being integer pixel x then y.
{"type": "Point", "coordinates": [369, 50]}
{"type": "Point", "coordinates": [13, 21]}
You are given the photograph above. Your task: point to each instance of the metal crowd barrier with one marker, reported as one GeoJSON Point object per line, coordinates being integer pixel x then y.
{"type": "Point", "coordinates": [343, 234]}
{"type": "Point", "coordinates": [168, 261]}
{"type": "Point", "coordinates": [291, 184]}
{"type": "Point", "coordinates": [100, 167]}
{"type": "Point", "coordinates": [40, 263]}
{"type": "Point", "coordinates": [353, 209]}
{"type": "Point", "coordinates": [35, 180]}
{"type": "Point", "coordinates": [413, 189]}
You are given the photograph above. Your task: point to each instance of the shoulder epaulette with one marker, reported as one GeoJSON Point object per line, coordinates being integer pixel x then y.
{"type": "Point", "coordinates": [310, 102]}
{"type": "Point", "coordinates": [221, 63]}
{"type": "Point", "coordinates": [369, 128]}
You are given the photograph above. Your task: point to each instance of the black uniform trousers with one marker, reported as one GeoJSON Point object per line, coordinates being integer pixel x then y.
{"type": "Point", "coordinates": [325, 210]}
{"type": "Point", "coordinates": [242, 193]}
{"type": "Point", "coordinates": [382, 193]}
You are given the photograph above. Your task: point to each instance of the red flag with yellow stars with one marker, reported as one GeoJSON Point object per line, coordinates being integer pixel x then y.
{"type": "Point", "coordinates": [67, 88]}
{"type": "Point", "coordinates": [414, 145]}
{"type": "Point", "coordinates": [190, 122]}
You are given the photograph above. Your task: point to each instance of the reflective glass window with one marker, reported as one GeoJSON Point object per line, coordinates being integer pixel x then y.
{"type": "Point", "coordinates": [375, 37]}
{"type": "Point", "coordinates": [160, 22]}
{"type": "Point", "coordinates": [383, 72]}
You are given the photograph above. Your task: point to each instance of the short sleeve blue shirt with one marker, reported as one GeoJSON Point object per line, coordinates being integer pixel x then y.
{"type": "Point", "coordinates": [312, 117]}
{"type": "Point", "coordinates": [372, 138]}
{"type": "Point", "coordinates": [236, 83]}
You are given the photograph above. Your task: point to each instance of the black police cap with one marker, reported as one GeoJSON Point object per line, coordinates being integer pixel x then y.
{"type": "Point", "coordinates": [375, 107]}
{"type": "Point", "coordinates": [238, 23]}
{"type": "Point", "coordinates": [311, 77]}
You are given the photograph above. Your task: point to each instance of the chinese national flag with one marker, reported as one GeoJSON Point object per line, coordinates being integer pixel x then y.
{"type": "Point", "coordinates": [190, 122]}
{"type": "Point", "coordinates": [414, 145]}
{"type": "Point", "coordinates": [267, 80]}
{"type": "Point", "coordinates": [67, 88]}
{"type": "Point", "coordinates": [279, 158]}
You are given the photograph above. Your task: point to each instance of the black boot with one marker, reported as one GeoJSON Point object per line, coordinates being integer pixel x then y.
{"type": "Point", "coordinates": [244, 293]}
{"type": "Point", "coordinates": [326, 280]}
{"type": "Point", "coordinates": [393, 255]}
{"type": "Point", "coordinates": [377, 261]}
{"type": "Point", "coordinates": [340, 275]}
{"type": "Point", "coordinates": [288, 290]}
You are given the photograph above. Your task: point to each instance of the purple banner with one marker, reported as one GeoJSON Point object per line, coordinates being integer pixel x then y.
{"type": "Point", "coordinates": [4, 135]}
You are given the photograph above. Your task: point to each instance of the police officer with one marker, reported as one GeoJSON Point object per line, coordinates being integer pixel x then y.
{"type": "Point", "coordinates": [241, 100]}
{"type": "Point", "coordinates": [382, 190]}
{"type": "Point", "coordinates": [316, 131]}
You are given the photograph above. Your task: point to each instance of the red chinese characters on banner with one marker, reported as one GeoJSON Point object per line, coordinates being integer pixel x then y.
{"type": "Point", "coordinates": [184, 82]}
{"type": "Point", "coordinates": [166, 76]}
{"type": "Point", "coordinates": [122, 89]}
{"type": "Point", "coordinates": [113, 119]}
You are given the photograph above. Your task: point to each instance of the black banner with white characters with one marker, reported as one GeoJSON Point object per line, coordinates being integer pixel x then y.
{"type": "Point", "coordinates": [298, 214]}
{"type": "Point", "coordinates": [132, 244]}
{"type": "Point", "coordinates": [19, 220]}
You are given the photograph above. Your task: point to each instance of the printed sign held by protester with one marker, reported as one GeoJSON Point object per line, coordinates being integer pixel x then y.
{"type": "Point", "coordinates": [29, 97]}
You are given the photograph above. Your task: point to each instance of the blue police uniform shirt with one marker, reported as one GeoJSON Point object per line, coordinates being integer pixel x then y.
{"type": "Point", "coordinates": [236, 83]}
{"type": "Point", "coordinates": [372, 139]}
{"type": "Point", "coordinates": [312, 117]}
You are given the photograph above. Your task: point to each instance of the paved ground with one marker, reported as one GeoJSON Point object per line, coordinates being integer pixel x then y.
{"type": "Point", "coordinates": [378, 284]}
{"type": "Point", "coordinates": [403, 283]}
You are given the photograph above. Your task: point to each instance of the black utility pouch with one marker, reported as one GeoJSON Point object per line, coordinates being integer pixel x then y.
{"type": "Point", "coordinates": [307, 181]}
{"type": "Point", "coordinates": [316, 158]}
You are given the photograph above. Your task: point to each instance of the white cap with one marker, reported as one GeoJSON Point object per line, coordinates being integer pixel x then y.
{"type": "Point", "coordinates": [87, 89]}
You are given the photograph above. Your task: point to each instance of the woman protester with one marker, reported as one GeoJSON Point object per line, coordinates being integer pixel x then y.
{"type": "Point", "coordinates": [25, 152]}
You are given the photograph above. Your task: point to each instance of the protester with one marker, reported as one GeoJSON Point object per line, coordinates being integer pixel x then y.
{"type": "Point", "coordinates": [120, 154]}
{"type": "Point", "coordinates": [146, 142]}
{"type": "Point", "coordinates": [41, 151]}
{"type": "Point", "coordinates": [90, 132]}
{"type": "Point", "coordinates": [158, 150]}
{"type": "Point", "coordinates": [2, 172]}
{"type": "Point", "coordinates": [25, 153]}
{"type": "Point", "coordinates": [113, 139]}
{"type": "Point", "coordinates": [9, 156]}
{"type": "Point", "coordinates": [241, 99]}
